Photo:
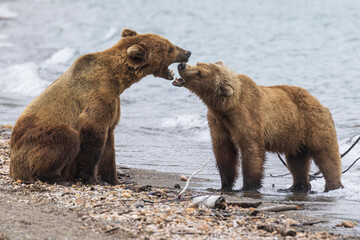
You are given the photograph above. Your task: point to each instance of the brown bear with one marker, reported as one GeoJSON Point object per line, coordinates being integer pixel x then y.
{"type": "Point", "coordinates": [67, 132]}
{"type": "Point", "coordinates": [255, 119]}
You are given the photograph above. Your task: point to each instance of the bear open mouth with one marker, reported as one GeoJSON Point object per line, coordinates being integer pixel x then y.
{"type": "Point", "coordinates": [170, 74]}
{"type": "Point", "coordinates": [178, 82]}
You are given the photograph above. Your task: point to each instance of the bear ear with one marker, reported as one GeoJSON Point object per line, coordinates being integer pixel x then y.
{"type": "Point", "coordinates": [220, 63]}
{"type": "Point", "coordinates": [136, 53]}
{"type": "Point", "coordinates": [225, 90]}
{"type": "Point", "coordinates": [126, 32]}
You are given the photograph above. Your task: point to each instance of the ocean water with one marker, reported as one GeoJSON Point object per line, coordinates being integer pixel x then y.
{"type": "Point", "coordinates": [315, 45]}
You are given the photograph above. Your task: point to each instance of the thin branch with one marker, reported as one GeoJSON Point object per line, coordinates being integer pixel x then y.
{"type": "Point", "coordinates": [283, 162]}
{"type": "Point", "coordinates": [280, 208]}
{"type": "Point", "coordinates": [351, 165]}
{"type": "Point", "coordinates": [188, 181]}
{"type": "Point", "coordinates": [282, 175]}
{"type": "Point", "coordinates": [347, 151]}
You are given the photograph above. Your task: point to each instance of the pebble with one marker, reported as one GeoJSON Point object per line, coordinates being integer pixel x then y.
{"type": "Point", "coordinates": [139, 204]}
{"type": "Point", "coordinates": [348, 224]}
{"type": "Point", "coordinates": [177, 185]}
{"type": "Point", "coordinates": [183, 178]}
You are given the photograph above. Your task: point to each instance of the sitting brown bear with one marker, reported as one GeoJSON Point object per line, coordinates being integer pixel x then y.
{"type": "Point", "coordinates": [255, 119]}
{"type": "Point", "coordinates": [67, 132]}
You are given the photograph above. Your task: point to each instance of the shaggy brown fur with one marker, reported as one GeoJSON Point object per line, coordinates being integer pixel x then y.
{"type": "Point", "coordinates": [254, 119]}
{"type": "Point", "coordinates": [67, 132]}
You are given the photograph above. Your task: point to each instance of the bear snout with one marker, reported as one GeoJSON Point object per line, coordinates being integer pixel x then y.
{"type": "Point", "coordinates": [181, 66]}
{"type": "Point", "coordinates": [188, 54]}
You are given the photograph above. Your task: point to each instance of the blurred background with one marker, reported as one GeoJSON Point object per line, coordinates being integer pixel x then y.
{"type": "Point", "coordinates": [315, 45]}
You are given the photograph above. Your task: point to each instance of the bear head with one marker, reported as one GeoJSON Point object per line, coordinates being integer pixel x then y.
{"type": "Point", "coordinates": [151, 53]}
{"type": "Point", "coordinates": [214, 83]}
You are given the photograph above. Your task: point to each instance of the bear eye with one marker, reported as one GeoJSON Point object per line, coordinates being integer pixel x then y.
{"type": "Point", "coordinates": [171, 49]}
{"type": "Point", "coordinates": [199, 73]}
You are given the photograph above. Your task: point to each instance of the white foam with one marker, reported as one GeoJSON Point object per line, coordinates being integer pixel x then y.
{"type": "Point", "coordinates": [185, 122]}
{"type": "Point", "coordinates": [22, 79]}
{"type": "Point", "coordinates": [62, 57]}
{"type": "Point", "coordinates": [196, 123]}
{"type": "Point", "coordinates": [6, 13]}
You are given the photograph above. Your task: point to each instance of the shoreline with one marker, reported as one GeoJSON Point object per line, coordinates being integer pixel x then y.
{"type": "Point", "coordinates": [138, 208]}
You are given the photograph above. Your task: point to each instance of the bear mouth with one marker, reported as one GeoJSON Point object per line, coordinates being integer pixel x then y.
{"type": "Point", "coordinates": [178, 82]}
{"type": "Point", "coordinates": [169, 74]}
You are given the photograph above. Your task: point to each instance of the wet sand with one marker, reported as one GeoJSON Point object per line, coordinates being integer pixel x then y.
{"type": "Point", "coordinates": [139, 208]}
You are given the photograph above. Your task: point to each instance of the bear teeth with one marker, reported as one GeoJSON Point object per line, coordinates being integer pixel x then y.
{"type": "Point", "coordinates": [178, 82]}
{"type": "Point", "coordinates": [170, 74]}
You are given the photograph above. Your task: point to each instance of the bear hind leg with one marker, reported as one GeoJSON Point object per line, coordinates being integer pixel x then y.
{"type": "Point", "coordinates": [329, 164]}
{"type": "Point", "coordinates": [299, 166]}
{"type": "Point", "coordinates": [50, 158]}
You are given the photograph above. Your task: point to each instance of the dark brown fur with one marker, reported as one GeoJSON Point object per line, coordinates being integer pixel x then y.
{"type": "Point", "coordinates": [68, 131]}
{"type": "Point", "coordinates": [253, 119]}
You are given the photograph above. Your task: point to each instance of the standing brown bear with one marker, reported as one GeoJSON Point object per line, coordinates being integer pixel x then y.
{"type": "Point", "coordinates": [254, 119]}
{"type": "Point", "coordinates": [67, 132]}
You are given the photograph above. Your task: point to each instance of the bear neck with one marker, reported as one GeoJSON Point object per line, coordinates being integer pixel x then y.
{"type": "Point", "coordinates": [210, 98]}
{"type": "Point", "coordinates": [122, 70]}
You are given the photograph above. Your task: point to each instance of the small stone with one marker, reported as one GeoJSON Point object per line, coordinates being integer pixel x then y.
{"type": "Point", "coordinates": [291, 222]}
{"type": "Point", "coordinates": [204, 227]}
{"type": "Point", "coordinates": [135, 217]}
{"type": "Point", "coordinates": [126, 194]}
{"type": "Point", "coordinates": [80, 200]}
{"type": "Point", "coordinates": [177, 185]}
{"type": "Point", "coordinates": [190, 210]}
{"type": "Point", "coordinates": [151, 228]}
{"type": "Point", "coordinates": [139, 204]}
{"type": "Point", "coordinates": [183, 178]}
{"type": "Point", "coordinates": [347, 224]}
{"type": "Point", "coordinates": [19, 181]}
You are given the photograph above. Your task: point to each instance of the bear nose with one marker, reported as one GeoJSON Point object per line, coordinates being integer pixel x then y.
{"type": "Point", "coordinates": [181, 66]}
{"type": "Point", "coordinates": [188, 54]}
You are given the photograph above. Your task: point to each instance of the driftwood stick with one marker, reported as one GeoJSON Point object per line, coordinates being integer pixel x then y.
{"type": "Point", "coordinates": [351, 165]}
{"type": "Point", "coordinates": [280, 208]}
{"type": "Point", "coordinates": [309, 223]}
{"type": "Point", "coordinates": [347, 151]}
{"type": "Point", "coordinates": [281, 175]}
{"type": "Point", "coordinates": [283, 162]}
{"type": "Point", "coordinates": [117, 228]}
{"type": "Point", "coordinates": [188, 181]}
{"type": "Point", "coordinates": [245, 204]}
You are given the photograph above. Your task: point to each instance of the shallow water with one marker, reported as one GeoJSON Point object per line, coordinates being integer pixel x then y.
{"type": "Point", "coordinates": [315, 45]}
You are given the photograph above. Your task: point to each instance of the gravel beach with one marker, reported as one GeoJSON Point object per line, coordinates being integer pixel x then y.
{"type": "Point", "coordinates": [142, 207]}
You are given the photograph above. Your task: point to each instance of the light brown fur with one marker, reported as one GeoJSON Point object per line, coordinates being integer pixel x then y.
{"type": "Point", "coordinates": [250, 119]}
{"type": "Point", "coordinates": [67, 132]}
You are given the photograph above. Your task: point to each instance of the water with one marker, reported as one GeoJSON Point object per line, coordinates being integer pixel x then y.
{"type": "Point", "coordinates": [315, 45]}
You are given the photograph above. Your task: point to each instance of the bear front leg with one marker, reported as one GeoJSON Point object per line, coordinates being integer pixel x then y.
{"type": "Point", "coordinates": [92, 141]}
{"type": "Point", "coordinates": [107, 164]}
{"type": "Point", "coordinates": [253, 158]}
{"type": "Point", "coordinates": [225, 152]}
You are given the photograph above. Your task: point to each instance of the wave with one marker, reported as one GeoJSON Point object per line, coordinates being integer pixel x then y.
{"type": "Point", "coordinates": [61, 57]}
{"type": "Point", "coordinates": [185, 122]}
{"type": "Point", "coordinates": [22, 79]}
{"type": "Point", "coordinates": [6, 13]}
